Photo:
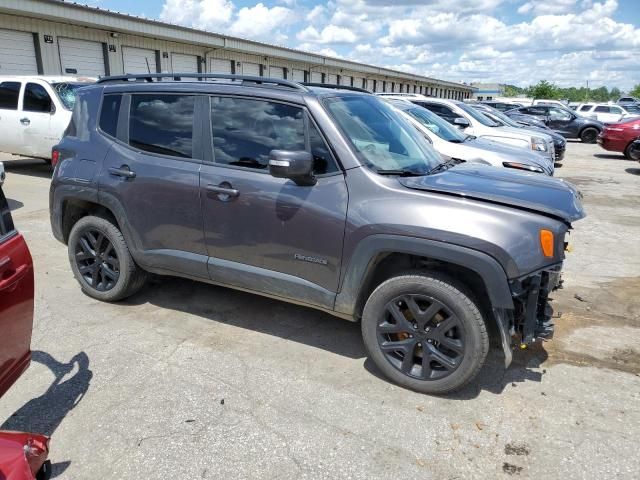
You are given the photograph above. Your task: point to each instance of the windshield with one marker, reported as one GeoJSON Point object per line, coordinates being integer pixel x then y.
{"type": "Point", "coordinates": [501, 117]}
{"type": "Point", "coordinates": [437, 125]}
{"type": "Point", "coordinates": [67, 93]}
{"type": "Point", "coordinates": [477, 115]}
{"type": "Point", "coordinates": [632, 108]}
{"type": "Point", "coordinates": [382, 139]}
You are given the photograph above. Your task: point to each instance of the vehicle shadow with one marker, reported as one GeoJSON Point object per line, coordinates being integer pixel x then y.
{"type": "Point", "coordinates": [45, 413]}
{"type": "Point", "coordinates": [609, 156]}
{"type": "Point", "coordinates": [14, 204]}
{"type": "Point", "coordinates": [254, 312]}
{"type": "Point", "coordinates": [314, 328]}
{"type": "Point", "coordinates": [633, 171]}
{"type": "Point", "coordinates": [33, 167]}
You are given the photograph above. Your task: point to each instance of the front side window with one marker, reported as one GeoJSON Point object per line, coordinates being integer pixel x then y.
{"type": "Point", "coordinates": [36, 99]}
{"type": "Point", "coordinates": [585, 108]}
{"type": "Point", "coordinates": [486, 121]}
{"type": "Point", "coordinates": [245, 131]}
{"type": "Point", "coordinates": [381, 138]}
{"type": "Point", "coordinates": [9, 93]}
{"type": "Point", "coordinates": [601, 109]}
{"type": "Point", "coordinates": [162, 124]}
{"type": "Point", "coordinates": [437, 125]}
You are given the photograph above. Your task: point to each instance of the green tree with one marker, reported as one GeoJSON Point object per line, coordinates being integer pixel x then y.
{"type": "Point", "coordinates": [615, 94]}
{"type": "Point", "coordinates": [635, 92]}
{"type": "Point", "coordinates": [543, 89]}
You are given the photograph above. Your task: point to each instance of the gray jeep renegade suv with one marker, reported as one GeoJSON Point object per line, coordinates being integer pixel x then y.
{"type": "Point", "coordinates": [319, 196]}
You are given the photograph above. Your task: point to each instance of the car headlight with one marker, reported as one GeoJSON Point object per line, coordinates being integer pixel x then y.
{"type": "Point", "coordinates": [538, 144]}
{"type": "Point", "coordinates": [523, 166]}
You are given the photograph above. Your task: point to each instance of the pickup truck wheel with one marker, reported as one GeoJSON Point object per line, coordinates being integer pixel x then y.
{"type": "Point", "coordinates": [101, 261]}
{"type": "Point", "coordinates": [425, 333]}
{"type": "Point", "coordinates": [589, 135]}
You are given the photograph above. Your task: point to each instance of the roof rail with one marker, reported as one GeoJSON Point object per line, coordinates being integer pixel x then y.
{"type": "Point", "coordinates": [337, 87]}
{"type": "Point", "coordinates": [157, 77]}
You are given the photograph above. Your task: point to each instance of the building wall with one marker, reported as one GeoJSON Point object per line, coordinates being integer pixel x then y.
{"type": "Point", "coordinates": [215, 48]}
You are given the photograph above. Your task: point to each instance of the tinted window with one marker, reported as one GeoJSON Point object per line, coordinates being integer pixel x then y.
{"type": "Point", "coordinates": [109, 114]}
{"type": "Point", "coordinates": [245, 131]}
{"type": "Point", "coordinates": [323, 162]}
{"type": "Point", "coordinates": [534, 110]}
{"type": "Point", "coordinates": [9, 93]}
{"type": "Point", "coordinates": [162, 124]}
{"type": "Point", "coordinates": [601, 109]}
{"type": "Point", "coordinates": [36, 99]}
{"type": "Point", "coordinates": [584, 108]}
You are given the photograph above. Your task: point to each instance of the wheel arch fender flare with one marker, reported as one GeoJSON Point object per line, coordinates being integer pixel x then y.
{"type": "Point", "coordinates": [363, 261]}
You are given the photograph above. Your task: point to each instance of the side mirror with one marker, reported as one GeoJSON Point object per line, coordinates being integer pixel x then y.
{"type": "Point", "coordinates": [461, 122]}
{"type": "Point", "coordinates": [295, 165]}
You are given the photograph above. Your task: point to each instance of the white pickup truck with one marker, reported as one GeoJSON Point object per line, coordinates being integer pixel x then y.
{"type": "Point", "coordinates": [35, 111]}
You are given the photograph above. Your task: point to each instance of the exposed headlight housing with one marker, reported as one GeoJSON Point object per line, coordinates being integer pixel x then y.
{"type": "Point", "coordinates": [538, 144]}
{"type": "Point", "coordinates": [523, 166]}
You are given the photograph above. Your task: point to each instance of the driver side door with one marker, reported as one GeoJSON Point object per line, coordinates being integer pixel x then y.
{"type": "Point", "coordinates": [559, 120]}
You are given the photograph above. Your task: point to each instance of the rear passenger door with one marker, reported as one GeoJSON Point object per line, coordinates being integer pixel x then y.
{"type": "Point", "coordinates": [152, 173]}
{"type": "Point", "coordinates": [263, 233]}
{"type": "Point", "coordinates": [16, 300]}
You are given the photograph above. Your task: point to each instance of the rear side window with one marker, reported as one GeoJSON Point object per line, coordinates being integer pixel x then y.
{"type": "Point", "coordinates": [109, 114]}
{"type": "Point", "coordinates": [584, 108]}
{"type": "Point", "coordinates": [36, 99]}
{"type": "Point", "coordinates": [245, 131]}
{"type": "Point", "coordinates": [9, 93]}
{"type": "Point", "coordinates": [162, 124]}
{"type": "Point", "coordinates": [601, 109]}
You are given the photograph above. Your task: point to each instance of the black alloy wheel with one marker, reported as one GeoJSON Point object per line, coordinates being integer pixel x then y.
{"type": "Point", "coordinates": [589, 135]}
{"type": "Point", "coordinates": [97, 260]}
{"type": "Point", "coordinates": [421, 337]}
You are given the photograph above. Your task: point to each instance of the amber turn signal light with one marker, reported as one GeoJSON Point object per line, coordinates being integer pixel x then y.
{"type": "Point", "coordinates": [546, 242]}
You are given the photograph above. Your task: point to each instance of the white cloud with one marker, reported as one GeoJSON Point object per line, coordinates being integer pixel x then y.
{"type": "Point", "coordinates": [205, 14]}
{"type": "Point", "coordinates": [260, 21]}
{"type": "Point", "coordinates": [329, 34]}
{"type": "Point", "coordinates": [546, 7]}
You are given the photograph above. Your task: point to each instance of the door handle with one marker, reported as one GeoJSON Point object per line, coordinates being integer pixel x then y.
{"type": "Point", "coordinates": [25, 121]}
{"type": "Point", "coordinates": [224, 191]}
{"type": "Point", "coordinates": [12, 280]}
{"type": "Point", "coordinates": [123, 171]}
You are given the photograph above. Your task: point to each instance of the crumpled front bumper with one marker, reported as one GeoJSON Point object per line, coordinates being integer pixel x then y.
{"type": "Point", "coordinates": [533, 314]}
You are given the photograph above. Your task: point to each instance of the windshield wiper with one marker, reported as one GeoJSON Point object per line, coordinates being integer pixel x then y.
{"type": "Point", "coordinates": [452, 162]}
{"type": "Point", "coordinates": [400, 172]}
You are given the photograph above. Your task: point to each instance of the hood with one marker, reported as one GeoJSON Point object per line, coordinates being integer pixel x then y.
{"type": "Point", "coordinates": [480, 148]}
{"type": "Point", "coordinates": [527, 191]}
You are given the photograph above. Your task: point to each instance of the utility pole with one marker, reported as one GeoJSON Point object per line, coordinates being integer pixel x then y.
{"type": "Point", "coordinates": [587, 99]}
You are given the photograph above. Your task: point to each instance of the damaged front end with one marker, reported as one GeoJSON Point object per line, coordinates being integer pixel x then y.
{"type": "Point", "coordinates": [532, 318]}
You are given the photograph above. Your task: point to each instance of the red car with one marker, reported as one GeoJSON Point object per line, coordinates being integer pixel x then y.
{"type": "Point", "coordinates": [617, 137]}
{"type": "Point", "coordinates": [23, 456]}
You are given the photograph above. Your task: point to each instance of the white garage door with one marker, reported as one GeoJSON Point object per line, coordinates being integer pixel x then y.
{"type": "Point", "coordinates": [182, 63]}
{"type": "Point", "coordinates": [316, 77]}
{"type": "Point", "coordinates": [81, 57]}
{"type": "Point", "coordinates": [332, 79]}
{"type": "Point", "coordinates": [345, 80]}
{"type": "Point", "coordinates": [139, 60]}
{"type": "Point", "coordinates": [17, 53]}
{"type": "Point", "coordinates": [217, 65]}
{"type": "Point", "coordinates": [358, 82]}
{"type": "Point", "coordinates": [297, 75]}
{"type": "Point", "coordinates": [276, 72]}
{"type": "Point", "coordinates": [251, 69]}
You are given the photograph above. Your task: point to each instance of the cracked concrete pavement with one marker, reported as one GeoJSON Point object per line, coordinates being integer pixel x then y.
{"type": "Point", "coordinates": [188, 380]}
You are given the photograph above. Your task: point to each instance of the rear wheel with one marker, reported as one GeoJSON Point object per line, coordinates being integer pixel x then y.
{"type": "Point", "coordinates": [101, 261]}
{"type": "Point", "coordinates": [589, 135]}
{"type": "Point", "coordinates": [627, 151]}
{"type": "Point", "coordinates": [425, 333]}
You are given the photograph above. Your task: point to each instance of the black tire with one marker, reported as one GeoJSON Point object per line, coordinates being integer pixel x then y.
{"type": "Point", "coordinates": [589, 135]}
{"type": "Point", "coordinates": [91, 260]}
{"type": "Point", "coordinates": [627, 151]}
{"type": "Point", "coordinates": [444, 302]}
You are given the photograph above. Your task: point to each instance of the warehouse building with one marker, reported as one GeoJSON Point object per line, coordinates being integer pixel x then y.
{"type": "Point", "coordinates": [50, 37]}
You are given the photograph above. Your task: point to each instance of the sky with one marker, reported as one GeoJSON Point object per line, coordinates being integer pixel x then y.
{"type": "Point", "coordinates": [519, 42]}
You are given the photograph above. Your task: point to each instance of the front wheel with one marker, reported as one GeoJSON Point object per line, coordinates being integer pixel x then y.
{"type": "Point", "coordinates": [424, 333]}
{"type": "Point", "coordinates": [101, 261]}
{"type": "Point", "coordinates": [589, 135]}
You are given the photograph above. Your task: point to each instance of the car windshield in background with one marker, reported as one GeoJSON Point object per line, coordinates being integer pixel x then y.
{"type": "Point", "coordinates": [472, 112]}
{"type": "Point", "coordinates": [501, 117]}
{"type": "Point", "coordinates": [437, 125]}
{"type": "Point", "coordinates": [66, 92]}
{"type": "Point", "coordinates": [382, 139]}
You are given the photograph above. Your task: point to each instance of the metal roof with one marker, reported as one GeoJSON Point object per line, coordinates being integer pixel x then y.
{"type": "Point", "coordinates": [104, 19]}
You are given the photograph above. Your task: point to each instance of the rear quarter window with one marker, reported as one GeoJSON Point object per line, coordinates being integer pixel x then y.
{"type": "Point", "coordinates": [109, 114]}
